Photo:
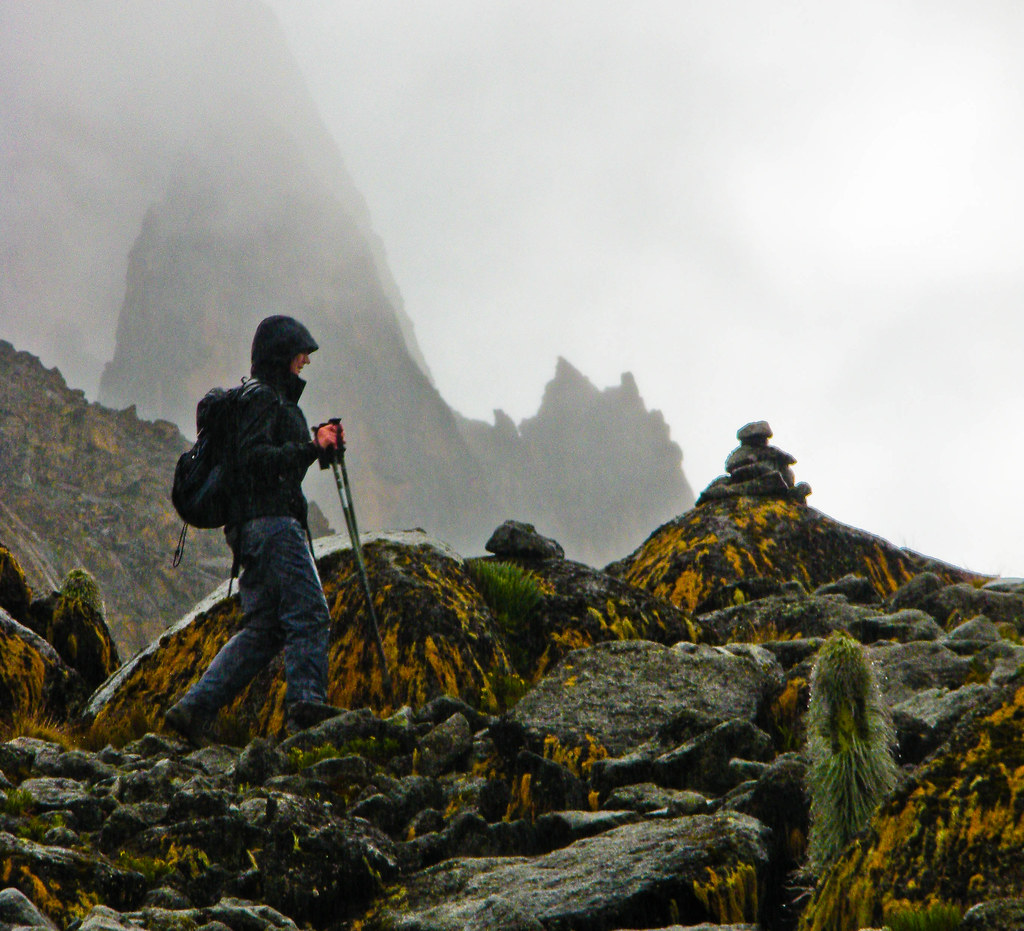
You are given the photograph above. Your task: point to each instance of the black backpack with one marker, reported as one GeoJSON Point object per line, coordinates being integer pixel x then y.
{"type": "Point", "coordinates": [205, 484]}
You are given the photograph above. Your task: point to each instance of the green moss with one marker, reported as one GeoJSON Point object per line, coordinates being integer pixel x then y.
{"type": "Point", "coordinates": [18, 802]}
{"type": "Point", "coordinates": [150, 868]}
{"type": "Point", "coordinates": [375, 749]}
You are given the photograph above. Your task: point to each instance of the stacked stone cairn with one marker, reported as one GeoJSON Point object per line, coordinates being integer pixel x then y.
{"type": "Point", "coordinates": [757, 469]}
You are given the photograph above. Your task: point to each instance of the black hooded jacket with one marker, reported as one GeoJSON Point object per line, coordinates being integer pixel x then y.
{"type": "Point", "coordinates": [275, 447]}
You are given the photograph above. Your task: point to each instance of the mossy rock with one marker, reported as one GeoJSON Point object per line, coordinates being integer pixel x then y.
{"type": "Point", "coordinates": [15, 595]}
{"type": "Point", "coordinates": [580, 606]}
{"type": "Point", "coordinates": [34, 681]}
{"type": "Point", "coordinates": [78, 631]}
{"type": "Point", "coordinates": [952, 834]}
{"type": "Point", "coordinates": [439, 639]}
{"type": "Point", "coordinates": [703, 558]}
{"type": "Point", "coordinates": [65, 884]}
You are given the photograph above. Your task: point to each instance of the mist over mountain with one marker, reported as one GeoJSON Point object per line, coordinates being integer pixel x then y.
{"type": "Point", "coordinates": [171, 183]}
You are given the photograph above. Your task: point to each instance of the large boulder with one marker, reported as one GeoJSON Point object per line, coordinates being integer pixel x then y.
{"type": "Point", "coordinates": [580, 606]}
{"type": "Point", "coordinates": [34, 681]}
{"type": "Point", "coordinates": [703, 868]}
{"type": "Point", "coordinates": [58, 880]}
{"type": "Point", "coordinates": [731, 549]}
{"type": "Point", "coordinates": [612, 698]}
{"type": "Point", "coordinates": [438, 634]}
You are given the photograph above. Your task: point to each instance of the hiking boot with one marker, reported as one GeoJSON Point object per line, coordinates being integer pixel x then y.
{"type": "Point", "coordinates": [303, 714]}
{"type": "Point", "coordinates": [187, 723]}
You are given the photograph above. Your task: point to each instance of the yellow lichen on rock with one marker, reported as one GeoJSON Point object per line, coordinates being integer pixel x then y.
{"type": "Point", "coordinates": [722, 543]}
{"type": "Point", "coordinates": [952, 835]}
{"type": "Point", "coordinates": [22, 676]}
{"type": "Point", "coordinates": [730, 898]}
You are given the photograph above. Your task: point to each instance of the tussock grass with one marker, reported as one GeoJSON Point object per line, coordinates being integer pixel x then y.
{"type": "Point", "coordinates": [936, 917]}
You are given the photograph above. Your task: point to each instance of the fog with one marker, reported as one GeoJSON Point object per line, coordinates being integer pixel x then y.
{"type": "Point", "coordinates": [804, 213]}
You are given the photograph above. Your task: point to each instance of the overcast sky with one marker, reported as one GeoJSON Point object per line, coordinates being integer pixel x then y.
{"type": "Point", "coordinates": [808, 213]}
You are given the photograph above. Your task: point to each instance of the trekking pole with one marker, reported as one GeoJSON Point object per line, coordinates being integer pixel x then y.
{"type": "Point", "coordinates": [345, 494]}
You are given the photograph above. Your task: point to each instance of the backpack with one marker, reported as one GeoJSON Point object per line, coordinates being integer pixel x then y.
{"type": "Point", "coordinates": [203, 490]}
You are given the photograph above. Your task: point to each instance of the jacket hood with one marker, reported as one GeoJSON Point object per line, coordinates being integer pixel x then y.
{"type": "Point", "coordinates": [278, 340]}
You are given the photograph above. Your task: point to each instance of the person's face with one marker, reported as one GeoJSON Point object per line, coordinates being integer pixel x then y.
{"type": "Point", "coordinates": [299, 362]}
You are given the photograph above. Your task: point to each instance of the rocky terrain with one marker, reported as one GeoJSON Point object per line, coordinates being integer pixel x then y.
{"type": "Point", "coordinates": [569, 749]}
{"type": "Point", "coordinates": [85, 486]}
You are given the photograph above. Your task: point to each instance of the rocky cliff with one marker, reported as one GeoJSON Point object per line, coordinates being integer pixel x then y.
{"type": "Point", "coordinates": [593, 756]}
{"type": "Point", "coordinates": [225, 248]}
{"type": "Point", "coordinates": [85, 486]}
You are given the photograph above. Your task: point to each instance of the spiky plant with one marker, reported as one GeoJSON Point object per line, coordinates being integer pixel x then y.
{"type": "Point", "coordinates": [849, 742]}
{"type": "Point", "coordinates": [511, 592]}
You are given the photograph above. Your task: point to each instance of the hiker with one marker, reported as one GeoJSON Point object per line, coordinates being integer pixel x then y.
{"type": "Point", "coordinates": [281, 594]}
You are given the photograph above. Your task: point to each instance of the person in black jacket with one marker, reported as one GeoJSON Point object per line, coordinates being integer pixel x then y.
{"type": "Point", "coordinates": [281, 593]}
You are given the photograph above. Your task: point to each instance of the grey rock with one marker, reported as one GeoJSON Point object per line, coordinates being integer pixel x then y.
{"type": "Point", "coordinates": [359, 724]}
{"type": "Point", "coordinates": [53, 793]}
{"type": "Point", "coordinates": [1009, 585]}
{"type": "Point", "coordinates": [102, 918]}
{"type": "Point", "coordinates": [66, 869]}
{"type": "Point", "coordinates": [854, 588]}
{"type": "Point", "coordinates": [906, 626]}
{"type": "Point", "coordinates": [215, 759]}
{"type": "Point", "coordinates": [74, 764]}
{"type": "Point", "coordinates": [1003, 659]}
{"type": "Point", "coordinates": [496, 913]}
{"type": "Point", "coordinates": [445, 745]}
{"type": "Point", "coordinates": [977, 630]}
{"type": "Point", "coordinates": [913, 593]}
{"type": "Point", "coordinates": [166, 897]}
{"type": "Point", "coordinates": [258, 762]}
{"type": "Point", "coordinates": [756, 433]}
{"type": "Point", "coordinates": [906, 668]}
{"type": "Point", "coordinates": [17, 909]}
{"type": "Point", "coordinates": [618, 694]}
{"type": "Point", "coordinates": [648, 797]}
{"type": "Point", "coordinates": [349, 770]}
{"type": "Point", "coordinates": [707, 927]}
{"type": "Point", "coordinates": [787, 614]}
{"type": "Point", "coordinates": [704, 763]}
{"type": "Point", "coordinates": [441, 708]}
{"type": "Point", "coordinates": [924, 721]}
{"type": "Point", "coordinates": [561, 828]}
{"type": "Point", "coordinates": [628, 875]}
{"type": "Point", "coordinates": [615, 772]}
{"type": "Point", "coordinates": [951, 605]}
{"type": "Point", "coordinates": [996, 915]}
{"type": "Point", "coordinates": [517, 540]}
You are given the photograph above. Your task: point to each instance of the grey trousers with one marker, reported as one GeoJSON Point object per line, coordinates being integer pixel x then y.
{"type": "Point", "coordinates": [284, 606]}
